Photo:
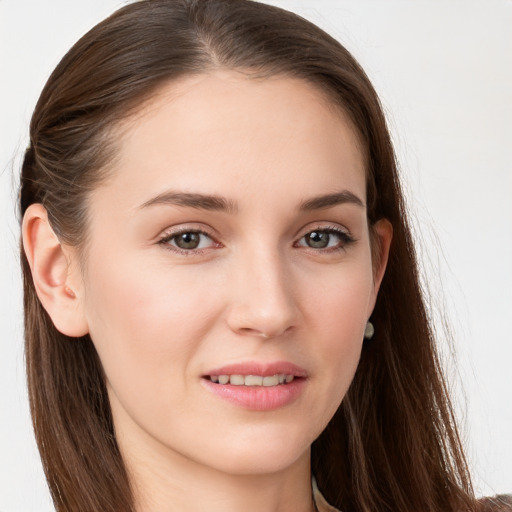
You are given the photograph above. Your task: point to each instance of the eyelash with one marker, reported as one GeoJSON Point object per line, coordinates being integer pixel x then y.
{"type": "Point", "coordinates": [345, 240]}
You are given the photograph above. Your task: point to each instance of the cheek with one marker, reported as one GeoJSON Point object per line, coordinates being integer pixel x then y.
{"type": "Point", "coordinates": [337, 314]}
{"type": "Point", "coordinates": [338, 303]}
{"type": "Point", "coordinates": [145, 326]}
{"type": "Point", "coordinates": [135, 302]}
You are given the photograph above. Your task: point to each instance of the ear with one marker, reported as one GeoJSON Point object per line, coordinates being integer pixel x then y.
{"type": "Point", "coordinates": [382, 234]}
{"type": "Point", "coordinates": [50, 264]}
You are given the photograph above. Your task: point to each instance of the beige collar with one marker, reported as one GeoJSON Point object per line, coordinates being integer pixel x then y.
{"type": "Point", "coordinates": [321, 504]}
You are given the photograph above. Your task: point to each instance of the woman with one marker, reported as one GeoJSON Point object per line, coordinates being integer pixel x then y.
{"type": "Point", "coordinates": [212, 225]}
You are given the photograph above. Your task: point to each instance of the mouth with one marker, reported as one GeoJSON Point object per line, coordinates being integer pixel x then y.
{"type": "Point", "coordinates": [257, 386]}
{"type": "Point", "coordinates": [278, 379]}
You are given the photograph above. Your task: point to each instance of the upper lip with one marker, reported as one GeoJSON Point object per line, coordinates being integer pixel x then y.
{"type": "Point", "coordinates": [265, 369]}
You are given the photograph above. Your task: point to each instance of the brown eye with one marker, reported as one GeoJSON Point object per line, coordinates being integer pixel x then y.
{"type": "Point", "coordinates": [187, 240]}
{"type": "Point", "coordinates": [317, 239]}
{"type": "Point", "coordinates": [328, 238]}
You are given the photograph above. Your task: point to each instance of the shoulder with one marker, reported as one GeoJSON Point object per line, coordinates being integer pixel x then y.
{"type": "Point", "coordinates": [500, 503]}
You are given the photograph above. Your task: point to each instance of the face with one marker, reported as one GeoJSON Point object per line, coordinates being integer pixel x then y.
{"type": "Point", "coordinates": [230, 243]}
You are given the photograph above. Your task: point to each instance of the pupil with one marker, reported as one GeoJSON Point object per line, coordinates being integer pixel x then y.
{"type": "Point", "coordinates": [317, 239]}
{"type": "Point", "coordinates": [188, 240]}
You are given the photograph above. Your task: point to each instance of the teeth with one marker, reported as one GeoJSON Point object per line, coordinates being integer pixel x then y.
{"type": "Point", "coordinates": [223, 379]}
{"type": "Point", "coordinates": [271, 381]}
{"type": "Point", "coordinates": [253, 380]}
{"type": "Point", "coordinates": [237, 380]}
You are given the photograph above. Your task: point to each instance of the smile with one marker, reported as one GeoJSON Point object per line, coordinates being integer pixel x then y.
{"type": "Point", "coordinates": [253, 380]}
{"type": "Point", "coordinates": [257, 386]}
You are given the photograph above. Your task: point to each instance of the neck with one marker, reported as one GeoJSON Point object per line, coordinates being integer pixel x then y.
{"type": "Point", "coordinates": [173, 485]}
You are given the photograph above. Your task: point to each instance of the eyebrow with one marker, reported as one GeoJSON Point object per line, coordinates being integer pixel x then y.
{"type": "Point", "coordinates": [329, 200]}
{"type": "Point", "coordinates": [219, 203]}
{"type": "Point", "coordinates": [193, 200]}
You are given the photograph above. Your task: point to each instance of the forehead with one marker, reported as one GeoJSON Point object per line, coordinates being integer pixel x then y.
{"type": "Point", "coordinates": [227, 132]}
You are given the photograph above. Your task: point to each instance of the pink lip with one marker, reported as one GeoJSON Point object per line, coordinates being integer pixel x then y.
{"type": "Point", "coordinates": [258, 398]}
{"type": "Point", "coordinates": [263, 369]}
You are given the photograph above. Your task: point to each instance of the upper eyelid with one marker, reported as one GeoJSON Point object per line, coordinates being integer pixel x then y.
{"type": "Point", "coordinates": [323, 226]}
{"type": "Point", "coordinates": [175, 231]}
{"type": "Point", "coordinates": [171, 235]}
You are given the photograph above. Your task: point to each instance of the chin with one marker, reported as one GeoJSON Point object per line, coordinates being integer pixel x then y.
{"type": "Point", "coordinates": [265, 455]}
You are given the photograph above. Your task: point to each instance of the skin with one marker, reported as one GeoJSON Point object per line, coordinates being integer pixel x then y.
{"type": "Point", "coordinates": [254, 290]}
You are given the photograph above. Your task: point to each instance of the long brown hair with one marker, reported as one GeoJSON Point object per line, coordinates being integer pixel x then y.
{"type": "Point", "coordinates": [393, 444]}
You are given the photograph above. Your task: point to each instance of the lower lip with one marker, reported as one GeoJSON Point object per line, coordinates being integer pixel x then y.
{"type": "Point", "coordinates": [258, 398]}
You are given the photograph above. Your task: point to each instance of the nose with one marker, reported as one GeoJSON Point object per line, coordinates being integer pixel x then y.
{"type": "Point", "coordinates": [263, 302]}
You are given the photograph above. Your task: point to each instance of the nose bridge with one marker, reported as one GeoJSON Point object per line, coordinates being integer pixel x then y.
{"type": "Point", "coordinates": [263, 301]}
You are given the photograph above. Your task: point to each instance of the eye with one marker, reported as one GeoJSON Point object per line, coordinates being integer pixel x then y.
{"type": "Point", "coordinates": [325, 238]}
{"type": "Point", "coordinates": [187, 241]}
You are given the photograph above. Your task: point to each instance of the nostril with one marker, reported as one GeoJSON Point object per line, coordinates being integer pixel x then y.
{"type": "Point", "coordinates": [265, 320]}
{"type": "Point", "coordinates": [263, 334]}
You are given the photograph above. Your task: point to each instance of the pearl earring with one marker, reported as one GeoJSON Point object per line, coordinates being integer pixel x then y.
{"type": "Point", "coordinates": [369, 331]}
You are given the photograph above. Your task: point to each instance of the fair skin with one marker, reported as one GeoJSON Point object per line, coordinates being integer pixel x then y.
{"type": "Point", "coordinates": [264, 274]}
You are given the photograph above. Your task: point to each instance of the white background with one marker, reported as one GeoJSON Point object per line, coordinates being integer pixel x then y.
{"type": "Point", "coordinates": [443, 71]}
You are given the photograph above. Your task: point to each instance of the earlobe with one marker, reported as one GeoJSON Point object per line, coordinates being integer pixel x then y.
{"type": "Point", "coordinates": [51, 273]}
